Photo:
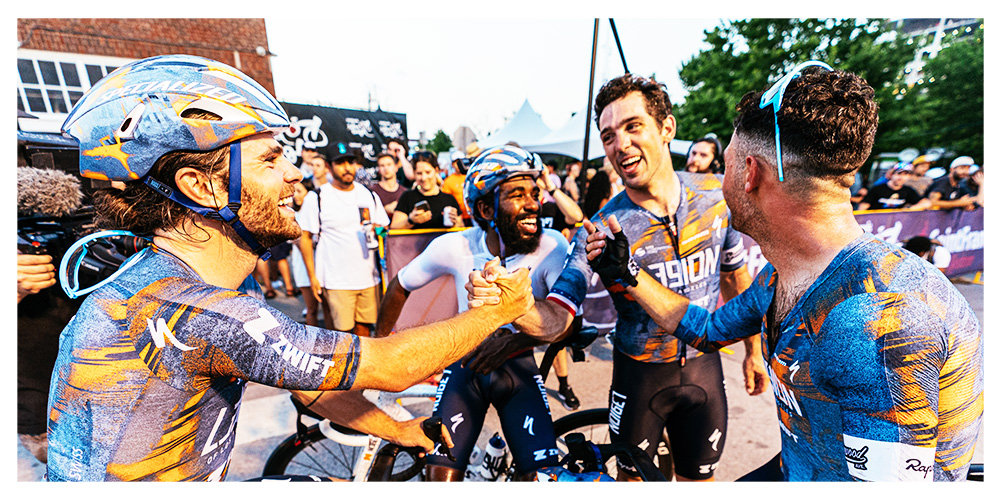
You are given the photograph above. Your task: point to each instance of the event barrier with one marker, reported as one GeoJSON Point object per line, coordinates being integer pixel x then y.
{"type": "Point", "coordinates": [960, 231]}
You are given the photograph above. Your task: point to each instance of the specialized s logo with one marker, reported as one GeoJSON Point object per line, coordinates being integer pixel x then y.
{"type": "Point", "coordinates": [858, 458]}
{"type": "Point", "coordinates": [161, 333]}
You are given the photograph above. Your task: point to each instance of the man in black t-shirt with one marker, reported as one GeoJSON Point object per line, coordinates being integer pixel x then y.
{"type": "Point", "coordinates": [949, 191]}
{"type": "Point", "coordinates": [894, 194]}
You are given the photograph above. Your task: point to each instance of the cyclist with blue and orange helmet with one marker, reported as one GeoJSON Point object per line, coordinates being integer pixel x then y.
{"type": "Point", "coordinates": [502, 195]}
{"type": "Point", "coordinates": [150, 373]}
{"type": "Point", "coordinates": [679, 226]}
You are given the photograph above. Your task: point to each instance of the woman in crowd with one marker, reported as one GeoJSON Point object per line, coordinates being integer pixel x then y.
{"type": "Point", "coordinates": [305, 201]}
{"type": "Point", "coordinates": [425, 206]}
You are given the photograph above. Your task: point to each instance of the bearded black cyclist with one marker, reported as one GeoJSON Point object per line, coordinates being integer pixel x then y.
{"type": "Point", "coordinates": [680, 224]}
{"type": "Point", "coordinates": [874, 356]}
{"type": "Point", "coordinates": [501, 193]}
{"type": "Point", "coordinates": [151, 370]}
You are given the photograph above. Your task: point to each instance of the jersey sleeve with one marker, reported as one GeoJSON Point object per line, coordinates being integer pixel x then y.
{"type": "Point", "coordinates": [189, 333]}
{"type": "Point", "coordinates": [435, 261]}
{"type": "Point", "coordinates": [570, 289]}
{"type": "Point", "coordinates": [734, 253]}
{"type": "Point", "coordinates": [554, 262]}
{"type": "Point", "coordinates": [736, 320]}
{"type": "Point", "coordinates": [879, 356]}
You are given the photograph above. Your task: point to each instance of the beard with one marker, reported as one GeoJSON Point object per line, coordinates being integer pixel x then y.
{"type": "Point", "coordinates": [262, 217]}
{"type": "Point", "coordinates": [515, 239]}
{"type": "Point", "coordinates": [743, 215]}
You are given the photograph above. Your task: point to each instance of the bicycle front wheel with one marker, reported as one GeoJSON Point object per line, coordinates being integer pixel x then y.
{"type": "Point", "coordinates": [315, 454]}
{"type": "Point", "coordinates": [593, 424]}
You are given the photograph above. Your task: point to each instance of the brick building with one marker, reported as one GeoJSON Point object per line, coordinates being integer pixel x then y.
{"type": "Point", "coordinates": [60, 59]}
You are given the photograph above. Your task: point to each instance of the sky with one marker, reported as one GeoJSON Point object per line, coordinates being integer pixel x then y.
{"type": "Point", "coordinates": [447, 72]}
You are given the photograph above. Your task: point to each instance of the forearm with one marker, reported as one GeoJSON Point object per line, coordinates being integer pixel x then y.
{"type": "Point", "coordinates": [351, 409]}
{"type": "Point", "coordinates": [570, 210]}
{"type": "Point", "coordinates": [547, 322]}
{"type": "Point", "coordinates": [407, 167]}
{"type": "Point", "coordinates": [305, 244]}
{"type": "Point", "coordinates": [388, 312]}
{"type": "Point", "coordinates": [401, 360]}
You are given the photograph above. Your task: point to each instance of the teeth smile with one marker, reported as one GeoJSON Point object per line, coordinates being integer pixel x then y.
{"type": "Point", "coordinates": [630, 161]}
{"type": "Point", "coordinates": [284, 202]}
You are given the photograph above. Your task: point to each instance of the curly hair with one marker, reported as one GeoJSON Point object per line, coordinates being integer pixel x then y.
{"type": "Point", "coordinates": [828, 121]}
{"type": "Point", "coordinates": [654, 94]}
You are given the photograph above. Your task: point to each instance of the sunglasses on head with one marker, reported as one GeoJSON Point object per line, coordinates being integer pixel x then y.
{"type": "Point", "coordinates": [773, 98]}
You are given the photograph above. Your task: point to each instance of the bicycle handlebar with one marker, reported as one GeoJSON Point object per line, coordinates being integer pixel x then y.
{"type": "Point", "coordinates": [381, 469]}
{"type": "Point", "coordinates": [584, 456]}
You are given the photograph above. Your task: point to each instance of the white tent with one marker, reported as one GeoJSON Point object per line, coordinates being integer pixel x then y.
{"type": "Point", "coordinates": [568, 140]}
{"type": "Point", "coordinates": [525, 127]}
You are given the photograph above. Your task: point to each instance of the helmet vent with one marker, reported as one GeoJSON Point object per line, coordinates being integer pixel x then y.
{"type": "Point", "coordinates": [130, 123]}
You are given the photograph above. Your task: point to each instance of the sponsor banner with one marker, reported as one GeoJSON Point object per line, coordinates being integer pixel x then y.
{"type": "Point", "coordinates": [960, 231]}
{"type": "Point", "coordinates": [322, 128]}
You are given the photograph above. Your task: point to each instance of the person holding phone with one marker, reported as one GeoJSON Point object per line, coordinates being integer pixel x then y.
{"type": "Point", "coordinates": [425, 206]}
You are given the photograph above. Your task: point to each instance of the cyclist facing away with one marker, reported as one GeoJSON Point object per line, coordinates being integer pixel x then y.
{"type": "Point", "coordinates": [679, 226]}
{"type": "Point", "coordinates": [501, 192]}
{"type": "Point", "coordinates": [874, 356]}
{"type": "Point", "coordinates": [150, 373]}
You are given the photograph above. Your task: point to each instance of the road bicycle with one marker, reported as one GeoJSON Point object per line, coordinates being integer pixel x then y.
{"type": "Point", "coordinates": [326, 449]}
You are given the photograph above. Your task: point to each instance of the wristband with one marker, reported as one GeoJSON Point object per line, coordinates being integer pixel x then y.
{"type": "Point", "coordinates": [615, 264]}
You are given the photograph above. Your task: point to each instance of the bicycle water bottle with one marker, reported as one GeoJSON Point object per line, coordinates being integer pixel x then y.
{"type": "Point", "coordinates": [494, 459]}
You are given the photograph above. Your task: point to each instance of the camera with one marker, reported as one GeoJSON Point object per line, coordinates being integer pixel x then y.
{"type": "Point", "coordinates": [54, 235]}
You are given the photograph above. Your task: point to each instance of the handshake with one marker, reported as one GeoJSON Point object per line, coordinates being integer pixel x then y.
{"type": "Point", "coordinates": [494, 286]}
{"type": "Point", "coordinates": [611, 259]}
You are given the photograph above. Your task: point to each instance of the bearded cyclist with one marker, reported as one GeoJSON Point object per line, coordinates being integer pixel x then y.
{"type": "Point", "coordinates": [150, 372]}
{"type": "Point", "coordinates": [501, 193]}
{"type": "Point", "coordinates": [679, 227]}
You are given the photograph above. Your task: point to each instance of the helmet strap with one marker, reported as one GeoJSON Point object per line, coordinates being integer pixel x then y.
{"type": "Point", "coordinates": [495, 227]}
{"type": "Point", "coordinates": [229, 213]}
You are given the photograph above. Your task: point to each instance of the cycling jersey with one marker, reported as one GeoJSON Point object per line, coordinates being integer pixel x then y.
{"type": "Point", "coordinates": [515, 389]}
{"type": "Point", "coordinates": [876, 370]}
{"type": "Point", "coordinates": [150, 373]}
{"type": "Point", "coordinates": [686, 253]}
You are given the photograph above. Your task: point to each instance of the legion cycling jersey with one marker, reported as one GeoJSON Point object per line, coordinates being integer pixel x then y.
{"type": "Point", "coordinates": [685, 253]}
{"type": "Point", "coordinates": [876, 370]}
{"type": "Point", "coordinates": [150, 373]}
{"type": "Point", "coordinates": [458, 254]}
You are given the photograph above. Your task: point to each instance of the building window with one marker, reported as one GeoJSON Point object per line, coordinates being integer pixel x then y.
{"type": "Point", "coordinates": [53, 82]}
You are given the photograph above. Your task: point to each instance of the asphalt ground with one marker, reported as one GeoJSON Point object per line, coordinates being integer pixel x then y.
{"type": "Point", "coordinates": [267, 416]}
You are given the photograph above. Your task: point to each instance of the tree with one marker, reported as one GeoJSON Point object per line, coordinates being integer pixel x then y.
{"type": "Point", "coordinates": [749, 55]}
{"type": "Point", "coordinates": [440, 142]}
{"type": "Point", "coordinates": [950, 95]}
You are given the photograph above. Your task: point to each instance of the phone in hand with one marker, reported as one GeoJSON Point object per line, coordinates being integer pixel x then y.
{"type": "Point", "coordinates": [422, 205]}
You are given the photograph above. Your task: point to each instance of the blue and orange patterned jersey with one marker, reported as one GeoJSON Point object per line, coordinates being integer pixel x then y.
{"type": "Point", "coordinates": [685, 253]}
{"type": "Point", "coordinates": [150, 373]}
{"type": "Point", "coordinates": [876, 370]}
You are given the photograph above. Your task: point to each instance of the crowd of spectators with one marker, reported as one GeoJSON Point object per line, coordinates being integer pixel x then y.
{"type": "Point", "coordinates": [414, 191]}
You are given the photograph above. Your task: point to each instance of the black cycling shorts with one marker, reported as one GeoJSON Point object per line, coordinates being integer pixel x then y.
{"type": "Point", "coordinates": [517, 392]}
{"type": "Point", "coordinates": [690, 402]}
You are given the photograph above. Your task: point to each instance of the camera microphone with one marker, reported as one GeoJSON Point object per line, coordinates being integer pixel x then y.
{"type": "Point", "coordinates": [47, 192]}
